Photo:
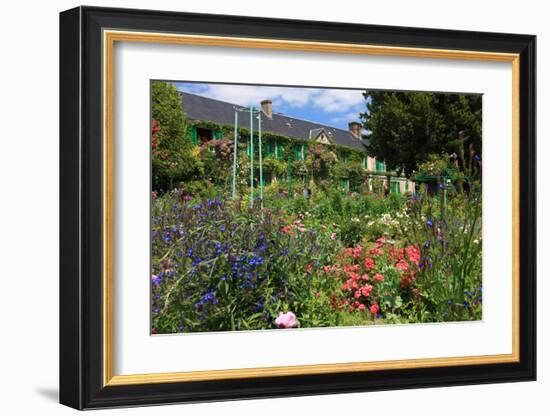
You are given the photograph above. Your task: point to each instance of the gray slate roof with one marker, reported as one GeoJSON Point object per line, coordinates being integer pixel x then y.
{"type": "Point", "coordinates": [201, 108]}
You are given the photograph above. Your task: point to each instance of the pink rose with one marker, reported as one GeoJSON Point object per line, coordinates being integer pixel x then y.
{"type": "Point", "coordinates": [286, 320]}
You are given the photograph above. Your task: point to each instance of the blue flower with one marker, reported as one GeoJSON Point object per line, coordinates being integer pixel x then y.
{"type": "Point", "coordinates": [427, 244]}
{"type": "Point", "coordinates": [429, 223]}
{"type": "Point", "coordinates": [157, 280]}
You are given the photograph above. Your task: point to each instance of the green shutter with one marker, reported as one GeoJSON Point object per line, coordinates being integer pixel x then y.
{"type": "Point", "coordinates": [304, 151]}
{"type": "Point", "coordinates": [194, 138]}
{"type": "Point", "coordinates": [380, 166]}
{"type": "Point", "coordinates": [217, 134]}
{"type": "Point", "coordinates": [279, 150]}
{"type": "Point", "coordinates": [296, 152]}
{"type": "Point", "coordinates": [395, 188]}
{"type": "Point", "coordinates": [270, 148]}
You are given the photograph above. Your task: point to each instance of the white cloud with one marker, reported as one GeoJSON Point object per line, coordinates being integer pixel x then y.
{"type": "Point", "coordinates": [338, 100]}
{"type": "Point", "coordinates": [246, 95]}
{"type": "Point", "coordinates": [342, 106]}
{"type": "Point", "coordinates": [349, 117]}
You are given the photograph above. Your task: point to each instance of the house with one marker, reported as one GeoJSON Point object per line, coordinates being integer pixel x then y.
{"type": "Point", "coordinates": [210, 118]}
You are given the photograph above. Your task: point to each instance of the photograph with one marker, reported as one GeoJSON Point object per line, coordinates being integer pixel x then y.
{"type": "Point", "coordinates": [287, 207]}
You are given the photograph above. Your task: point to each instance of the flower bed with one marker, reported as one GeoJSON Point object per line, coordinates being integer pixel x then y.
{"type": "Point", "coordinates": [328, 260]}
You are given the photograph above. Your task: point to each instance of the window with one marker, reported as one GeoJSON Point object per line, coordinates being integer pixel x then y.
{"type": "Point", "coordinates": [204, 135]}
{"type": "Point", "coordinates": [299, 152]}
{"type": "Point", "coordinates": [395, 187]}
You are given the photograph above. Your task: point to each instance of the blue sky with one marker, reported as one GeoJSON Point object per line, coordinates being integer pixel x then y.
{"type": "Point", "coordinates": [333, 107]}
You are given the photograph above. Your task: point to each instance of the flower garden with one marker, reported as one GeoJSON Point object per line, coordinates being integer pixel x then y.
{"type": "Point", "coordinates": [328, 260]}
{"type": "Point", "coordinates": [322, 258]}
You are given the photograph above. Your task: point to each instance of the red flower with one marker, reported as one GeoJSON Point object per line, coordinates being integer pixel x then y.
{"type": "Point", "coordinates": [369, 263]}
{"type": "Point", "coordinates": [375, 251]}
{"type": "Point", "coordinates": [374, 308]}
{"type": "Point", "coordinates": [402, 265]}
{"type": "Point", "coordinates": [413, 253]}
{"type": "Point", "coordinates": [366, 290]}
{"type": "Point", "coordinates": [378, 277]}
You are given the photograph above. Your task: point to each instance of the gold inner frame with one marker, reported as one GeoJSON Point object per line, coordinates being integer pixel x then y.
{"type": "Point", "coordinates": [112, 36]}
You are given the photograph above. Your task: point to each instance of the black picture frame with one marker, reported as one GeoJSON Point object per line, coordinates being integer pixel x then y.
{"type": "Point", "coordinates": [81, 202]}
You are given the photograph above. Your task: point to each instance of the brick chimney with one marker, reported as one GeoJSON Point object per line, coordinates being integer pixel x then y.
{"type": "Point", "coordinates": [267, 108]}
{"type": "Point", "coordinates": [355, 128]}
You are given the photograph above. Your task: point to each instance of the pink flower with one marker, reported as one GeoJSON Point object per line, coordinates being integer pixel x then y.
{"type": "Point", "coordinates": [365, 277]}
{"type": "Point", "coordinates": [286, 320]}
{"type": "Point", "coordinates": [369, 263]}
{"type": "Point", "coordinates": [366, 290]}
{"type": "Point", "coordinates": [361, 307]}
{"type": "Point", "coordinates": [378, 277]}
{"type": "Point", "coordinates": [333, 236]}
{"type": "Point", "coordinates": [413, 253]}
{"type": "Point", "coordinates": [375, 251]}
{"type": "Point", "coordinates": [402, 265]}
{"type": "Point", "coordinates": [374, 308]}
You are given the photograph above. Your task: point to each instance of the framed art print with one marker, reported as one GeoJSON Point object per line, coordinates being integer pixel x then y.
{"type": "Point", "coordinates": [258, 207]}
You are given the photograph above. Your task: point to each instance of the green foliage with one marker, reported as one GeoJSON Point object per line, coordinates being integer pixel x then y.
{"type": "Point", "coordinates": [275, 166]}
{"type": "Point", "coordinates": [449, 232]}
{"type": "Point", "coordinates": [435, 166]}
{"type": "Point", "coordinates": [407, 127]}
{"type": "Point", "coordinates": [320, 161]}
{"type": "Point", "coordinates": [173, 159]}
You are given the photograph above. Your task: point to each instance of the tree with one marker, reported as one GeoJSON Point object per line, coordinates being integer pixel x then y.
{"type": "Point", "coordinates": [173, 157]}
{"type": "Point", "coordinates": [406, 128]}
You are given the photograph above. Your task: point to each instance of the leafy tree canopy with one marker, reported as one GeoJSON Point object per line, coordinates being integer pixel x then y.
{"type": "Point", "coordinates": [406, 128]}
{"type": "Point", "coordinates": [174, 157]}
{"type": "Point", "coordinates": [167, 111]}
